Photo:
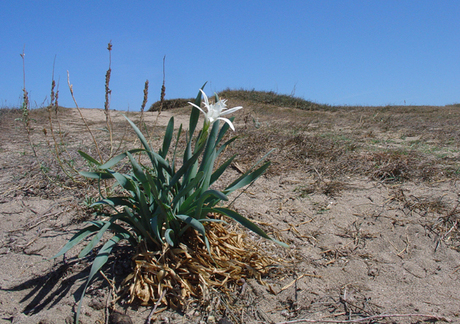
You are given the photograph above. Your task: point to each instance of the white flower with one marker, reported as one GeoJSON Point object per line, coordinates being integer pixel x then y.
{"type": "Point", "coordinates": [216, 110]}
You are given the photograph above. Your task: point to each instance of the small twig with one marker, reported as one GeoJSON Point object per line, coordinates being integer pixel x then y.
{"type": "Point", "coordinates": [149, 319]}
{"type": "Point", "coordinates": [112, 286]}
{"type": "Point", "coordinates": [369, 318]}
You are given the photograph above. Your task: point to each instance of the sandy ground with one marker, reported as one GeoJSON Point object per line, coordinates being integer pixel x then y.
{"type": "Point", "coordinates": [374, 248]}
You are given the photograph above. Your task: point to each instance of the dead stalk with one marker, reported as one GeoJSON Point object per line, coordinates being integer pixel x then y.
{"type": "Point", "coordinates": [26, 104]}
{"type": "Point", "coordinates": [144, 102]}
{"type": "Point", "coordinates": [369, 318]}
{"type": "Point", "coordinates": [108, 92]}
{"type": "Point", "coordinates": [83, 118]}
{"type": "Point", "coordinates": [54, 104]}
{"type": "Point", "coordinates": [162, 98]}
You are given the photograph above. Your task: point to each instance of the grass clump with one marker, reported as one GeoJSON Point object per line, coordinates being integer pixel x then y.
{"type": "Point", "coordinates": [253, 96]}
{"type": "Point", "coordinates": [272, 98]}
{"type": "Point", "coordinates": [168, 104]}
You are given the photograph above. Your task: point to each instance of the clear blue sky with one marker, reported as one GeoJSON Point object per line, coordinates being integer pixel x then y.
{"type": "Point", "coordinates": [335, 52]}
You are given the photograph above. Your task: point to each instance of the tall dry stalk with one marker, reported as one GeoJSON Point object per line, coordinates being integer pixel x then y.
{"type": "Point", "coordinates": [162, 99]}
{"type": "Point", "coordinates": [83, 118]}
{"type": "Point", "coordinates": [26, 118]}
{"type": "Point", "coordinates": [53, 108]}
{"type": "Point", "coordinates": [144, 102]}
{"type": "Point", "coordinates": [26, 104]}
{"type": "Point", "coordinates": [163, 88]}
{"type": "Point", "coordinates": [108, 92]}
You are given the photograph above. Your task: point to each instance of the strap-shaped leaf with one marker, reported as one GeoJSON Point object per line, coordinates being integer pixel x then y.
{"type": "Point", "coordinates": [139, 173]}
{"type": "Point", "coordinates": [223, 146]}
{"type": "Point", "coordinates": [138, 224]}
{"type": "Point", "coordinates": [187, 190]}
{"type": "Point", "coordinates": [77, 238]}
{"type": "Point", "coordinates": [89, 158]}
{"type": "Point", "coordinates": [125, 182]}
{"type": "Point", "coordinates": [118, 158]}
{"type": "Point", "coordinates": [114, 201]}
{"type": "Point", "coordinates": [173, 163]}
{"type": "Point", "coordinates": [185, 167]}
{"type": "Point", "coordinates": [212, 220]}
{"type": "Point", "coordinates": [196, 225]}
{"type": "Point", "coordinates": [208, 193]}
{"type": "Point", "coordinates": [209, 156]}
{"type": "Point", "coordinates": [221, 169]}
{"type": "Point", "coordinates": [95, 240]}
{"type": "Point", "coordinates": [96, 175]}
{"type": "Point", "coordinates": [168, 137]}
{"type": "Point", "coordinates": [195, 114]}
{"type": "Point", "coordinates": [128, 235]}
{"type": "Point", "coordinates": [189, 205]}
{"type": "Point", "coordinates": [157, 159]}
{"type": "Point", "coordinates": [169, 236]}
{"type": "Point", "coordinates": [98, 263]}
{"type": "Point", "coordinates": [210, 146]}
{"type": "Point", "coordinates": [247, 223]}
{"type": "Point", "coordinates": [156, 223]}
{"type": "Point", "coordinates": [246, 179]}
{"type": "Point", "coordinates": [139, 134]}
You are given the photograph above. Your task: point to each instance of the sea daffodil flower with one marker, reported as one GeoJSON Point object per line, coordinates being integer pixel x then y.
{"type": "Point", "coordinates": [216, 110]}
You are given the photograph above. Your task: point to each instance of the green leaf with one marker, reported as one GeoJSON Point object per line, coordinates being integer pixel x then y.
{"type": "Point", "coordinates": [125, 182]}
{"type": "Point", "coordinates": [246, 179]}
{"type": "Point", "coordinates": [209, 156]}
{"type": "Point", "coordinates": [157, 160]}
{"type": "Point", "coordinates": [96, 175]}
{"type": "Point", "coordinates": [95, 240]}
{"type": "Point", "coordinates": [216, 175]}
{"type": "Point", "coordinates": [139, 134]}
{"type": "Point", "coordinates": [114, 201]}
{"type": "Point", "coordinates": [196, 225]}
{"type": "Point", "coordinates": [223, 146]}
{"type": "Point", "coordinates": [89, 158]}
{"type": "Point", "coordinates": [118, 158]}
{"type": "Point", "coordinates": [168, 137]}
{"type": "Point", "coordinates": [195, 114]}
{"type": "Point", "coordinates": [169, 236]}
{"type": "Point", "coordinates": [155, 225]}
{"type": "Point", "coordinates": [247, 223]}
{"type": "Point", "coordinates": [140, 225]}
{"type": "Point", "coordinates": [208, 193]}
{"type": "Point", "coordinates": [185, 167]}
{"type": "Point", "coordinates": [77, 238]}
{"type": "Point", "coordinates": [210, 147]}
{"type": "Point", "coordinates": [173, 163]}
{"type": "Point", "coordinates": [212, 220]}
{"type": "Point", "coordinates": [139, 173]}
{"type": "Point", "coordinates": [98, 263]}
{"type": "Point", "coordinates": [189, 188]}
{"type": "Point", "coordinates": [189, 205]}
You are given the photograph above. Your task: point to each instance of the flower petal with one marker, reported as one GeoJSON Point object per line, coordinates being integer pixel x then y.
{"type": "Point", "coordinates": [206, 100]}
{"type": "Point", "coordinates": [228, 122]}
{"type": "Point", "coordinates": [231, 110]}
{"type": "Point", "coordinates": [197, 107]}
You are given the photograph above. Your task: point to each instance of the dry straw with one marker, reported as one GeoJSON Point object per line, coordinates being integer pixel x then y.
{"type": "Point", "coordinates": [176, 277]}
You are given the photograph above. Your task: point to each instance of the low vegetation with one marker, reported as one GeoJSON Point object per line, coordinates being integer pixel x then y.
{"type": "Point", "coordinates": [167, 203]}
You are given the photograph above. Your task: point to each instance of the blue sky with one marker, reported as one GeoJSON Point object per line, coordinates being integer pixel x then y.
{"type": "Point", "coordinates": [334, 52]}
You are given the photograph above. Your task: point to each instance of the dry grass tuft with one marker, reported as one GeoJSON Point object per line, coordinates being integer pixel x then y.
{"type": "Point", "coordinates": [188, 273]}
{"type": "Point", "coordinates": [170, 104]}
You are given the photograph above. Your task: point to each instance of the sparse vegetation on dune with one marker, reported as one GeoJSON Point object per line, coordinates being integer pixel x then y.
{"type": "Point", "coordinates": [366, 197]}
{"type": "Point", "coordinates": [253, 96]}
